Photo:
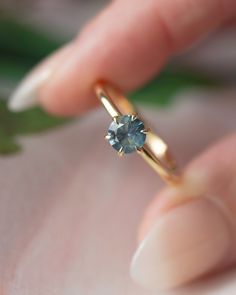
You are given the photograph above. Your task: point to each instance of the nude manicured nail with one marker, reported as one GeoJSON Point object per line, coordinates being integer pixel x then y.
{"type": "Point", "coordinates": [26, 94]}
{"type": "Point", "coordinates": [184, 244]}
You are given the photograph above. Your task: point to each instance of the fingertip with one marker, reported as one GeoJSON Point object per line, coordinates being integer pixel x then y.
{"type": "Point", "coordinates": [179, 247]}
{"type": "Point", "coordinates": [192, 186]}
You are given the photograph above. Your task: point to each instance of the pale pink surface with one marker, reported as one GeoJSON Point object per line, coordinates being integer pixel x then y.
{"type": "Point", "coordinates": [70, 208]}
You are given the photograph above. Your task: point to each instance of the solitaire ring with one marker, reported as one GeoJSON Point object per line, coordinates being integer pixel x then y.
{"type": "Point", "coordinates": [129, 133]}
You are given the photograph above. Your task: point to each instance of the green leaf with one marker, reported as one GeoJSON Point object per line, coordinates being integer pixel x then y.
{"type": "Point", "coordinates": [7, 144]}
{"type": "Point", "coordinates": [28, 122]}
{"type": "Point", "coordinates": [20, 40]}
{"type": "Point", "coordinates": [13, 69]}
{"type": "Point", "coordinates": [36, 120]}
{"type": "Point", "coordinates": [22, 47]}
{"type": "Point", "coordinates": [162, 90]}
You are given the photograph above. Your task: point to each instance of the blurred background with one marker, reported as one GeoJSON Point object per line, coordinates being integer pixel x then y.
{"type": "Point", "coordinates": [30, 30]}
{"type": "Point", "coordinates": [194, 94]}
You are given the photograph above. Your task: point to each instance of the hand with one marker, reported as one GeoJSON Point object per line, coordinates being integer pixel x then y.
{"type": "Point", "coordinates": [188, 232]}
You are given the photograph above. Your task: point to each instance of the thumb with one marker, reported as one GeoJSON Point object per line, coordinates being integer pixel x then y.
{"type": "Point", "coordinates": [190, 231]}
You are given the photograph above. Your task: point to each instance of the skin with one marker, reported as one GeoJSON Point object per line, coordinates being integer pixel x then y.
{"type": "Point", "coordinates": [145, 34]}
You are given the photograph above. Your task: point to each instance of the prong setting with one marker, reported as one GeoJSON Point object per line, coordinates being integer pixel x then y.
{"type": "Point", "coordinates": [115, 119]}
{"type": "Point", "coordinates": [121, 152]}
{"type": "Point", "coordinates": [126, 134]}
{"type": "Point", "coordinates": [133, 117]}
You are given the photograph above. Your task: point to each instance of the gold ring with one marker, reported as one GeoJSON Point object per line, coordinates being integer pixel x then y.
{"type": "Point", "coordinates": [128, 133]}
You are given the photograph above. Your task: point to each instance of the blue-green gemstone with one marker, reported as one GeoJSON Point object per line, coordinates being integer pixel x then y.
{"type": "Point", "coordinates": [126, 134]}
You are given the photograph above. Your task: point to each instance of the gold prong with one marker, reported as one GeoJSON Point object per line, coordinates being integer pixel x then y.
{"type": "Point", "coordinates": [144, 131]}
{"type": "Point", "coordinates": [107, 137]}
{"type": "Point", "coordinates": [121, 152]}
{"type": "Point", "coordinates": [139, 149]}
{"type": "Point", "coordinates": [115, 119]}
{"type": "Point", "coordinates": [133, 117]}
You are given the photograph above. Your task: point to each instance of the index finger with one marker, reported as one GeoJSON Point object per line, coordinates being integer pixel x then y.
{"type": "Point", "coordinates": [126, 44]}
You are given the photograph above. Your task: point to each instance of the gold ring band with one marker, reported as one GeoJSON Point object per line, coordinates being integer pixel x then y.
{"type": "Point", "coordinates": [154, 151]}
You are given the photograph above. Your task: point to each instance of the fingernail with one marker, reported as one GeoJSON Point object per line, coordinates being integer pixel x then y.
{"type": "Point", "coordinates": [26, 94]}
{"type": "Point", "coordinates": [184, 244]}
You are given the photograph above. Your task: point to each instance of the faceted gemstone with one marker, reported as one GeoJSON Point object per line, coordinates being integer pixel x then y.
{"type": "Point", "coordinates": [126, 134]}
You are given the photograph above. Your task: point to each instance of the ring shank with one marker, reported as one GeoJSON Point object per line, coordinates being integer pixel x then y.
{"type": "Point", "coordinates": [155, 151]}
